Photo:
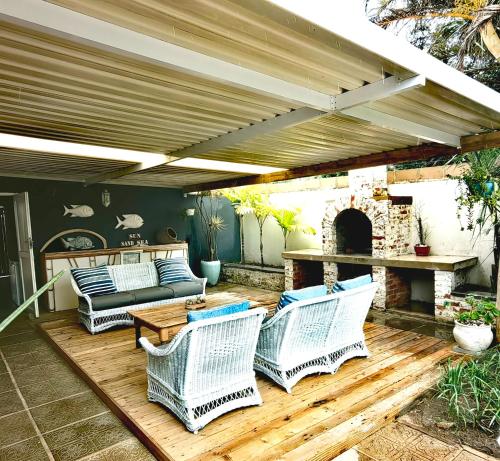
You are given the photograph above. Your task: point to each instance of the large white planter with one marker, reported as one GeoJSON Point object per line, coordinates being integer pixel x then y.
{"type": "Point", "coordinates": [475, 338]}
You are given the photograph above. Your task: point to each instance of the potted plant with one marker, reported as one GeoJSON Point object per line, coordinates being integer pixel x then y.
{"type": "Point", "coordinates": [421, 248]}
{"type": "Point", "coordinates": [212, 223]}
{"type": "Point", "coordinates": [473, 328]}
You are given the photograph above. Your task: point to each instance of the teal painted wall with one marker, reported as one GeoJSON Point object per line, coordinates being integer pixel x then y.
{"type": "Point", "coordinates": [159, 207]}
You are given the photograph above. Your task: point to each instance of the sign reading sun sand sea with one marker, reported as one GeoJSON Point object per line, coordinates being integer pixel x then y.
{"type": "Point", "coordinates": [78, 211]}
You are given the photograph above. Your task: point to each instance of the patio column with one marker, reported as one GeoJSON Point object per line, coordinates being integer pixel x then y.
{"type": "Point", "coordinates": [444, 283]}
{"type": "Point", "coordinates": [330, 275]}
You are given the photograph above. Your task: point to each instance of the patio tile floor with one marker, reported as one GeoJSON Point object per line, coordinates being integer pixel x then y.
{"type": "Point", "coordinates": [47, 412]}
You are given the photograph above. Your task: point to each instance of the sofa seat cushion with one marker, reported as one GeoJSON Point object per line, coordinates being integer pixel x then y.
{"type": "Point", "coordinates": [151, 294]}
{"type": "Point", "coordinates": [181, 289]}
{"type": "Point", "coordinates": [120, 299]}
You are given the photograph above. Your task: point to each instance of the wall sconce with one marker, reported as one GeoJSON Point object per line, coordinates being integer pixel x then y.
{"type": "Point", "coordinates": [106, 198]}
{"type": "Point", "coordinates": [189, 211]}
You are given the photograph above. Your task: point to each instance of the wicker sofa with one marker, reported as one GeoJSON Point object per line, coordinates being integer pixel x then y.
{"type": "Point", "coordinates": [207, 369]}
{"type": "Point", "coordinates": [314, 336]}
{"type": "Point", "coordinates": [138, 288]}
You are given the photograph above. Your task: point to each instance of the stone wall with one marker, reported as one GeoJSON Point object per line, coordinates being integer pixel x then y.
{"type": "Point", "coordinates": [268, 278]}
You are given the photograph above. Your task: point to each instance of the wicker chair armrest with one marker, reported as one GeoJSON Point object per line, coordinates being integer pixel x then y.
{"type": "Point", "coordinates": [78, 292]}
{"type": "Point", "coordinates": [156, 351]}
{"type": "Point", "coordinates": [195, 278]}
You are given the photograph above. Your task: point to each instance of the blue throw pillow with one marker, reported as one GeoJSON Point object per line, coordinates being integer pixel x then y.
{"type": "Point", "coordinates": [94, 281]}
{"type": "Point", "coordinates": [352, 283]}
{"type": "Point", "coordinates": [288, 297]}
{"type": "Point", "coordinates": [172, 270]}
{"type": "Point", "coordinates": [193, 316]}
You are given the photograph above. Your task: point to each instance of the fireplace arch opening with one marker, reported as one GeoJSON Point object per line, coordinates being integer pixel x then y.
{"type": "Point", "coordinates": [353, 231]}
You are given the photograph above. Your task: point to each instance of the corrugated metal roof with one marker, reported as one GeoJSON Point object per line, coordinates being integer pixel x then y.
{"type": "Point", "coordinates": [52, 87]}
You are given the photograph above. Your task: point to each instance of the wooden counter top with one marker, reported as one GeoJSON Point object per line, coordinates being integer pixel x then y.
{"type": "Point", "coordinates": [410, 261]}
{"type": "Point", "coordinates": [112, 251]}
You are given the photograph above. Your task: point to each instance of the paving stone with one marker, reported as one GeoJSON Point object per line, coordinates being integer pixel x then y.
{"type": "Point", "coordinates": [85, 437]}
{"type": "Point", "coordinates": [378, 447]}
{"type": "Point", "coordinates": [17, 362]}
{"type": "Point", "coordinates": [24, 348]}
{"type": "Point", "coordinates": [397, 432]}
{"type": "Point", "coordinates": [19, 338]}
{"type": "Point", "coordinates": [28, 450]}
{"type": "Point", "coordinates": [6, 383]}
{"type": "Point", "coordinates": [66, 411]}
{"type": "Point", "coordinates": [15, 427]}
{"type": "Point", "coordinates": [129, 449]}
{"type": "Point", "coordinates": [39, 373]}
{"type": "Point", "coordinates": [433, 449]}
{"type": "Point", "coordinates": [52, 389]}
{"type": "Point", "coordinates": [10, 403]}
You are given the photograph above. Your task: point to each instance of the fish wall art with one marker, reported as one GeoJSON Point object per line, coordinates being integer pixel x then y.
{"type": "Point", "coordinates": [77, 243]}
{"type": "Point", "coordinates": [129, 221]}
{"type": "Point", "coordinates": [78, 211]}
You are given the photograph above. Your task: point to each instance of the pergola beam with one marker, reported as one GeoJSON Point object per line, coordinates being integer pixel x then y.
{"type": "Point", "coordinates": [115, 174]}
{"type": "Point", "coordinates": [480, 141]}
{"type": "Point", "coordinates": [372, 92]}
{"type": "Point", "coordinates": [422, 152]}
{"type": "Point", "coordinates": [280, 122]}
{"type": "Point", "coordinates": [403, 126]}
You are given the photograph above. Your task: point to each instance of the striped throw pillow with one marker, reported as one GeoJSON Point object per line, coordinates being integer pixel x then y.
{"type": "Point", "coordinates": [172, 270]}
{"type": "Point", "coordinates": [94, 281]}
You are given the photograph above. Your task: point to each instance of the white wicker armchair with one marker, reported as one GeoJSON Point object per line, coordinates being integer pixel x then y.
{"type": "Point", "coordinates": [314, 336]}
{"type": "Point", "coordinates": [207, 369]}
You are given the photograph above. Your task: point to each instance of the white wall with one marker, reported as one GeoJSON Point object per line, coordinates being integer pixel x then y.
{"type": "Point", "coordinates": [436, 199]}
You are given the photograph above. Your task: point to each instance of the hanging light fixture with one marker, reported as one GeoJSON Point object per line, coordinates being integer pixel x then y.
{"type": "Point", "coordinates": [106, 198]}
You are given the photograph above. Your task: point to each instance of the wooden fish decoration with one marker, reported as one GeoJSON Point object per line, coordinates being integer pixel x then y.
{"type": "Point", "coordinates": [129, 221]}
{"type": "Point", "coordinates": [78, 211]}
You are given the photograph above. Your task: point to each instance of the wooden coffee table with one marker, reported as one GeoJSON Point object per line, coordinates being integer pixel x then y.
{"type": "Point", "coordinates": [168, 319]}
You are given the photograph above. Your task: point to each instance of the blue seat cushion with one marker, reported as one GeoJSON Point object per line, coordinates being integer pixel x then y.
{"type": "Point", "coordinates": [290, 296]}
{"type": "Point", "coordinates": [193, 316]}
{"type": "Point", "coordinates": [172, 270]}
{"type": "Point", "coordinates": [352, 283]}
{"type": "Point", "coordinates": [94, 281]}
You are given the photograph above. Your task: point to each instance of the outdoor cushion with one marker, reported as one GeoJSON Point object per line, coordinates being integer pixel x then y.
{"type": "Point", "coordinates": [172, 270]}
{"type": "Point", "coordinates": [290, 296]}
{"type": "Point", "coordinates": [150, 294]}
{"type": "Point", "coordinates": [352, 283]}
{"type": "Point", "coordinates": [193, 316]}
{"type": "Point", "coordinates": [94, 281]}
{"type": "Point", "coordinates": [181, 289]}
{"type": "Point", "coordinates": [123, 298]}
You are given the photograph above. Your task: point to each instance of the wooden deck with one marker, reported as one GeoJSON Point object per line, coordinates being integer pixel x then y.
{"type": "Point", "coordinates": [324, 416]}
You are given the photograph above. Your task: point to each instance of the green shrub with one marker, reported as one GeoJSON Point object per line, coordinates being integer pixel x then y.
{"type": "Point", "coordinates": [482, 312]}
{"type": "Point", "coordinates": [472, 390]}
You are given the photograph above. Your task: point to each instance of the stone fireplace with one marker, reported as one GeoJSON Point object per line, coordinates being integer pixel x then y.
{"type": "Point", "coordinates": [368, 231]}
{"type": "Point", "coordinates": [369, 222]}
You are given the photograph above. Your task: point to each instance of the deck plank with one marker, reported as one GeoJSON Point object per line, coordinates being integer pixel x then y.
{"type": "Point", "coordinates": [323, 417]}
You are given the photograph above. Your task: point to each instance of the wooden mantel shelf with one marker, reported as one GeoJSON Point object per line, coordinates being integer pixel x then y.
{"type": "Point", "coordinates": [410, 261]}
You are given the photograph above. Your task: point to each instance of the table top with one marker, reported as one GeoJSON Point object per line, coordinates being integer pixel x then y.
{"type": "Point", "coordinates": [174, 314]}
